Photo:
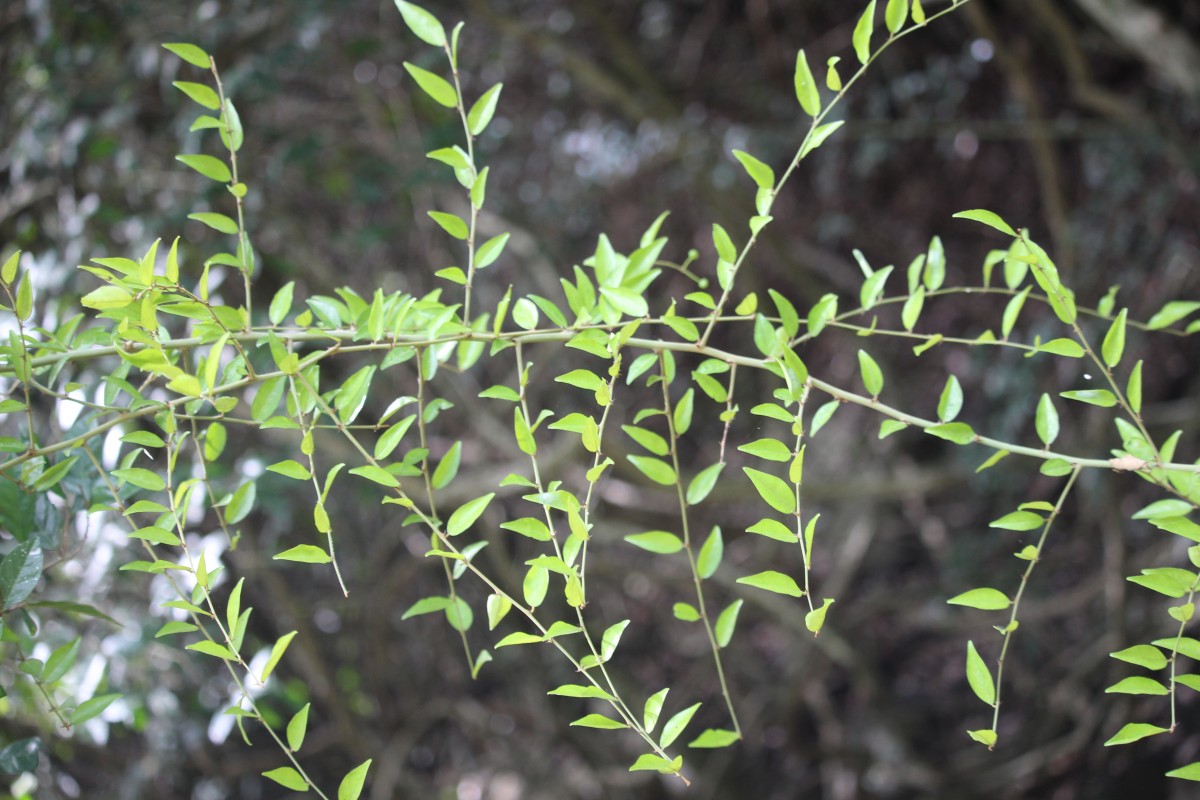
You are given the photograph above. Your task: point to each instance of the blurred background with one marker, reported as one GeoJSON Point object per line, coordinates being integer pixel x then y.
{"type": "Point", "coordinates": [1078, 119]}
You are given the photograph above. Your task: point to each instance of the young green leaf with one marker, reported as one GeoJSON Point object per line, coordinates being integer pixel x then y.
{"type": "Point", "coordinates": [1114, 340]}
{"type": "Point", "coordinates": [1046, 420]}
{"type": "Point", "coordinates": [676, 724]}
{"type": "Point", "coordinates": [433, 85]}
{"type": "Point", "coordinates": [987, 218]}
{"type": "Point", "coordinates": [778, 494]}
{"type": "Point", "coordinates": [297, 727]}
{"type": "Point", "coordinates": [351, 786]}
{"type": "Point", "coordinates": [872, 376]}
{"type": "Point", "coordinates": [985, 599]}
{"type": "Point", "coordinates": [701, 485]}
{"type": "Point", "coordinates": [465, 515]}
{"type": "Point", "coordinates": [895, 14]}
{"type": "Point", "coordinates": [773, 581]}
{"type": "Point", "coordinates": [424, 25]}
{"type": "Point", "coordinates": [862, 34]}
{"type": "Point", "coordinates": [484, 108]}
{"type": "Point", "coordinates": [979, 677]}
{"type": "Point", "coordinates": [806, 87]}
{"type": "Point", "coordinates": [726, 623]}
{"type": "Point", "coordinates": [189, 53]}
{"type": "Point", "coordinates": [710, 554]}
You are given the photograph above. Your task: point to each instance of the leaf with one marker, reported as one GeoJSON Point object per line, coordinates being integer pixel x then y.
{"type": "Point", "coordinates": [21, 756]}
{"type": "Point", "coordinates": [656, 470]}
{"type": "Point", "coordinates": [218, 222]}
{"type": "Point", "coordinates": [288, 778]}
{"type": "Point", "coordinates": [189, 53]}
{"type": "Point", "coordinates": [199, 93]}
{"type": "Point", "coordinates": [426, 605]}
{"type": "Point", "coordinates": [894, 15]}
{"type": "Point", "coordinates": [466, 514]}
{"type": "Point", "coordinates": [950, 403]}
{"type": "Point", "coordinates": [872, 377]}
{"type": "Point", "coordinates": [725, 248]}
{"type": "Point", "coordinates": [351, 786]}
{"type": "Point", "coordinates": [984, 599]}
{"type": "Point", "coordinates": [1171, 313]}
{"type": "Point", "coordinates": [490, 250]}
{"type": "Point", "coordinates": [1114, 341]}
{"type": "Point", "coordinates": [862, 34]}
{"type": "Point", "coordinates": [1133, 389]}
{"type": "Point", "coordinates": [654, 705]}
{"type": "Point", "coordinates": [425, 26]}
{"type": "Point", "coordinates": [1134, 731]}
{"type": "Point", "coordinates": [210, 648]}
{"type": "Point", "coordinates": [60, 661]}
{"type": "Point", "coordinates": [711, 554]}
{"type": "Point", "coordinates": [656, 542]}
{"type": "Point", "coordinates": [447, 468]}
{"type": "Point", "coordinates": [714, 737]}
{"type": "Point", "coordinates": [433, 85]}
{"type": "Point", "coordinates": [376, 475]}
{"type": "Point", "coordinates": [1137, 684]}
{"type": "Point", "coordinates": [1144, 655]}
{"type": "Point", "coordinates": [599, 721]}
{"type": "Point", "coordinates": [297, 727]}
{"type": "Point", "coordinates": [519, 638]}
{"type": "Point", "coordinates": [90, 709]}
{"type": "Point", "coordinates": [577, 690]}
{"type": "Point", "coordinates": [482, 111]}
{"type": "Point", "coordinates": [701, 485]}
{"type": "Point", "coordinates": [774, 491]}
{"type": "Point", "coordinates": [304, 553]}
{"type": "Point", "coordinates": [806, 88]}
{"type": "Point", "coordinates": [676, 724]}
{"type": "Point", "coordinates": [1095, 397]}
{"type": "Point", "coordinates": [1046, 420]}
{"type": "Point", "coordinates": [773, 581]}
{"type": "Point", "coordinates": [770, 449]}
{"type": "Point", "coordinates": [209, 167]}
{"type": "Point", "coordinates": [648, 761]}
{"type": "Point", "coordinates": [815, 620]}
{"type": "Point", "coordinates": [1171, 507]}
{"type": "Point", "coordinates": [451, 224]}
{"type": "Point", "coordinates": [1019, 521]}
{"type": "Point", "coordinates": [20, 572]}
{"type": "Point", "coordinates": [1191, 772]}
{"type": "Point", "coordinates": [957, 432]}
{"type": "Point", "coordinates": [760, 173]}
{"type": "Point", "coordinates": [979, 677]}
{"type": "Point", "coordinates": [988, 218]}
{"type": "Point", "coordinates": [726, 623]}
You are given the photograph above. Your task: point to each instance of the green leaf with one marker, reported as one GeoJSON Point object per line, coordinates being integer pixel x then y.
{"type": "Point", "coordinates": [957, 432]}
{"type": "Point", "coordinates": [1019, 521]}
{"type": "Point", "coordinates": [654, 705]}
{"type": "Point", "coordinates": [950, 403]}
{"type": "Point", "coordinates": [656, 542]}
{"type": "Point", "coordinates": [760, 173]}
{"type": "Point", "coordinates": [815, 620]}
{"type": "Point", "coordinates": [986, 217]}
{"type": "Point", "coordinates": [1137, 684]}
{"type": "Point", "coordinates": [304, 553]}
{"type": "Point", "coordinates": [774, 491]}
{"type": "Point", "coordinates": [8, 273]}
{"type": "Point", "coordinates": [984, 599]}
{"type": "Point", "coordinates": [1046, 420]}
{"type": "Point", "coordinates": [773, 581]}
{"type": "Point", "coordinates": [210, 648]}
{"type": "Point", "coordinates": [433, 85]}
{"type": "Point", "coordinates": [701, 485]}
{"type": "Point", "coordinates": [979, 677]}
{"type": "Point", "coordinates": [1133, 390]}
{"type": "Point", "coordinates": [1171, 313]}
{"type": "Point", "coordinates": [985, 736]}
{"type": "Point", "coordinates": [862, 34]}
{"type": "Point", "coordinates": [806, 88]}
{"type": "Point", "coordinates": [711, 554]}
{"type": "Point", "coordinates": [872, 377]}
{"type": "Point", "coordinates": [685, 612]}
{"type": "Point", "coordinates": [90, 709]}
{"type": "Point", "coordinates": [725, 248]}
{"type": "Point", "coordinates": [714, 737]}
{"type": "Point", "coordinates": [20, 572]}
{"type": "Point", "coordinates": [211, 168]}
{"type": "Point", "coordinates": [466, 514]}
{"type": "Point", "coordinates": [189, 53]}
{"type": "Point", "coordinates": [912, 309]}
{"type": "Point", "coordinates": [578, 690]}
{"type": "Point", "coordinates": [1062, 347]}
{"type": "Point", "coordinates": [1095, 397]}
{"type": "Point", "coordinates": [1134, 731]}
{"type": "Point", "coordinates": [451, 224]}
{"type": "Point", "coordinates": [1191, 772]}
{"type": "Point", "coordinates": [60, 661]}
{"type": "Point", "coordinates": [625, 300]}
{"type": "Point", "coordinates": [376, 475]}
{"type": "Point", "coordinates": [447, 468]}
{"type": "Point", "coordinates": [297, 727]}
{"type": "Point", "coordinates": [198, 92]}
{"type": "Point", "coordinates": [519, 638]}
{"type": "Point", "coordinates": [1114, 341]}
{"type": "Point", "coordinates": [1012, 310]}
{"type": "Point", "coordinates": [599, 721]}
{"type": "Point", "coordinates": [676, 725]}
{"type": "Point", "coordinates": [425, 26]}
{"type": "Point", "coordinates": [352, 785]}
{"type": "Point", "coordinates": [426, 605]}
{"type": "Point", "coordinates": [484, 108]}
{"type": "Point", "coordinates": [106, 298]}
{"type": "Point", "coordinates": [894, 15]}
{"type": "Point", "coordinates": [288, 778]}
{"type": "Point", "coordinates": [682, 416]}
{"type": "Point", "coordinates": [1171, 507]}
{"type": "Point", "coordinates": [726, 623]}
{"type": "Point", "coordinates": [529, 526]}
{"type": "Point", "coordinates": [658, 471]}
{"type": "Point", "coordinates": [218, 222]}
{"type": "Point", "coordinates": [770, 449]}
{"type": "Point", "coordinates": [648, 761]}
{"type": "Point", "coordinates": [490, 250]}
{"type": "Point", "coordinates": [1144, 655]}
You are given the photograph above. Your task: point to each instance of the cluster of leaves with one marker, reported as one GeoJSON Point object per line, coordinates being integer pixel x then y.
{"type": "Point", "coordinates": [186, 363]}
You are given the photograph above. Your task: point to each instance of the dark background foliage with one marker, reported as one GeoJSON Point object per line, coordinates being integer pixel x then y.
{"type": "Point", "coordinates": [1062, 117]}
